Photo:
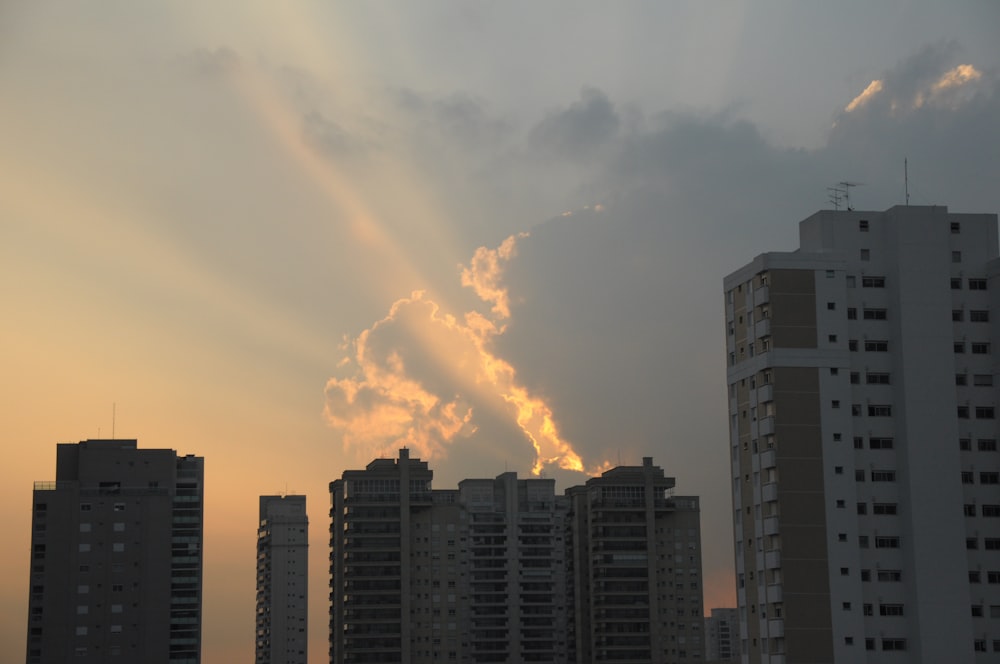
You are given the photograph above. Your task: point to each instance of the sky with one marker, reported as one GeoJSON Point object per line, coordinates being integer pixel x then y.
{"type": "Point", "coordinates": [294, 237]}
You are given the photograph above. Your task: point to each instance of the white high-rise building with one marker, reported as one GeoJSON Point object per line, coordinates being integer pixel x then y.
{"type": "Point", "coordinates": [863, 433]}
{"type": "Point", "coordinates": [722, 636]}
{"type": "Point", "coordinates": [282, 581]}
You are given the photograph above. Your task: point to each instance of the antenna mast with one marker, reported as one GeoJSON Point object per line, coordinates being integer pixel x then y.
{"type": "Point", "coordinates": [906, 180]}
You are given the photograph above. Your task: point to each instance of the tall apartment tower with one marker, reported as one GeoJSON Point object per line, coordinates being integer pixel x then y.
{"type": "Point", "coordinates": [636, 569]}
{"type": "Point", "coordinates": [372, 559]}
{"type": "Point", "coordinates": [863, 435]}
{"type": "Point", "coordinates": [515, 569]}
{"type": "Point", "coordinates": [282, 581]}
{"type": "Point", "coordinates": [722, 636]}
{"type": "Point", "coordinates": [116, 556]}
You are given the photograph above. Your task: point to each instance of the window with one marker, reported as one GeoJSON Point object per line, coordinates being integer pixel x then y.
{"type": "Point", "coordinates": [863, 225]}
{"type": "Point", "coordinates": [963, 412]}
{"type": "Point", "coordinates": [967, 477]}
{"type": "Point", "coordinates": [956, 283]}
{"type": "Point", "coordinates": [979, 645]}
{"type": "Point", "coordinates": [993, 576]}
{"type": "Point", "coordinates": [877, 378]}
{"type": "Point", "coordinates": [890, 575]}
{"type": "Point", "coordinates": [863, 541]}
{"type": "Point", "coordinates": [956, 257]}
{"type": "Point", "coordinates": [866, 575]}
{"type": "Point", "coordinates": [835, 404]}
{"type": "Point", "coordinates": [890, 609]}
{"type": "Point", "coordinates": [886, 542]}
{"type": "Point", "coordinates": [855, 378]}
{"type": "Point", "coordinates": [885, 508]}
{"type": "Point", "coordinates": [958, 346]}
{"type": "Point", "coordinates": [973, 577]}
{"type": "Point", "coordinates": [979, 316]}
{"type": "Point", "coordinates": [118, 547]}
{"type": "Point", "coordinates": [832, 338]}
{"type": "Point", "coordinates": [876, 346]}
{"type": "Point", "coordinates": [880, 410]}
{"type": "Point", "coordinates": [991, 510]}
{"type": "Point", "coordinates": [984, 412]}
{"type": "Point", "coordinates": [956, 227]}
{"type": "Point", "coordinates": [838, 470]}
{"type": "Point", "coordinates": [859, 475]}
{"type": "Point", "coordinates": [852, 313]}
{"type": "Point", "coordinates": [893, 644]}
{"type": "Point", "coordinates": [851, 281]}
{"type": "Point", "coordinates": [969, 509]}
{"type": "Point", "coordinates": [957, 315]}
{"type": "Point", "coordinates": [875, 314]}
{"type": "Point", "coordinates": [841, 504]}
{"type": "Point", "coordinates": [859, 443]}
{"type": "Point", "coordinates": [866, 254]}
{"type": "Point", "coordinates": [971, 543]}
{"type": "Point", "coordinates": [880, 443]}
{"type": "Point", "coordinates": [862, 508]}
{"type": "Point", "coordinates": [873, 282]}
{"type": "Point", "coordinates": [977, 284]}
{"type": "Point", "coordinates": [987, 444]}
{"type": "Point", "coordinates": [867, 609]}
{"type": "Point", "coordinates": [961, 379]}
{"type": "Point", "coordinates": [991, 543]}
{"type": "Point", "coordinates": [85, 507]}
{"type": "Point", "coordinates": [844, 571]}
{"type": "Point", "coordinates": [964, 444]}
{"type": "Point", "coordinates": [982, 380]}
{"type": "Point", "coordinates": [883, 476]}
{"type": "Point", "coordinates": [856, 409]}
{"type": "Point", "coordinates": [852, 345]}
{"type": "Point", "coordinates": [980, 348]}
{"type": "Point", "coordinates": [869, 644]}
{"type": "Point", "coordinates": [831, 306]}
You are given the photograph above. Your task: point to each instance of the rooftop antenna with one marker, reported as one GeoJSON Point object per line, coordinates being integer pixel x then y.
{"type": "Point", "coordinates": [906, 180]}
{"type": "Point", "coordinates": [847, 192]}
{"type": "Point", "coordinates": [834, 196]}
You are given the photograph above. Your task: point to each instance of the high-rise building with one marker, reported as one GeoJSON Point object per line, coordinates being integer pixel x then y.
{"type": "Point", "coordinates": [863, 435]}
{"type": "Point", "coordinates": [722, 636]}
{"type": "Point", "coordinates": [116, 556]}
{"type": "Point", "coordinates": [282, 581]}
{"type": "Point", "coordinates": [635, 569]}
{"type": "Point", "coordinates": [485, 573]}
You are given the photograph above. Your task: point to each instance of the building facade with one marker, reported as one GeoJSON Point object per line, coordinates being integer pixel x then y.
{"type": "Point", "coordinates": [722, 636]}
{"type": "Point", "coordinates": [487, 572]}
{"type": "Point", "coordinates": [635, 569]}
{"type": "Point", "coordinates": [116, 556]}
{"type": "Point", "coordinates": [863, 435]}
{"type": "Point", "coordinates": [282, 616]}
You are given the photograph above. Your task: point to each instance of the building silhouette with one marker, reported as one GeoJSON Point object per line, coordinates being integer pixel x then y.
{"type": "Point", "coordinates": [501, 570]}
{"type": "Point", "coordinates": [116, 556]}
{"type": "Point", "coordinates": [863, 439]}
{"type": "Point", "coordinates": [282, 581]}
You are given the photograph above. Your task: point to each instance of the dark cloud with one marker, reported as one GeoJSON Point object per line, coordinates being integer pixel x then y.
{"type": "Point", "coordinates": [581, 128]}
{"type": "Point", "coordinates": [329, 137]}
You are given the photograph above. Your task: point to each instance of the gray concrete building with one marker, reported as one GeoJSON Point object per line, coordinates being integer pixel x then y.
{"type": "Point", "coordinates": [282, 616]}
{"type": "Point", "coordinates": [635, 569]}
{"type": "Point", "coordinates": [863, 440]}
{"type": "Point", "coordinates": [116, 556]}
{"type": "Point", "coordinates": [500, 569]}
{"type": "Point", "coordinates": [722, 636]}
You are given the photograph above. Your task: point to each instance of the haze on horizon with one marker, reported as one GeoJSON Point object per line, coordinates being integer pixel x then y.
{"type": "Point", "coordinates": [291, 239]}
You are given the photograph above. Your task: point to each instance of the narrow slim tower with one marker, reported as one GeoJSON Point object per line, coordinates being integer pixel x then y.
{"type": "Point", "coordinates": [863, 440]}
{"type": "Point", "coordinates": [282, 580]}
{"type": "Point", "coordinates": [116, 557]}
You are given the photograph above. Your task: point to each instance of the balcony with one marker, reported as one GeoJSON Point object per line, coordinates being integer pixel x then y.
{"type": "Point", "coordinates": [774, 593]}
{"type": "Point", "coordinates": [768, 459]}
{"type": "Point", "coordinates": [771, 526]}
{"type": "Point", "coordinates": [765, 426]}
{"type": "Point", "coordinates": [762, 328]}
{"type": "Point", "coordinates": [769, 492]}
{"type": "Point", "coordinates": [772, 559]}
{"type": "Point", "coordinates": [761, 295]}
{"type": "Point", "coordinates": [775, 628]}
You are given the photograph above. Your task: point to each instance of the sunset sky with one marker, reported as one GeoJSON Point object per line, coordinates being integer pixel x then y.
{"type": "Point", "coordinates": [292, 237]}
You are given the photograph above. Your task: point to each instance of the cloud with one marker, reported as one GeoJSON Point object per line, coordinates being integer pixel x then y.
{"type": "Point", "coordinates": [420, 377]}
{"type": "Point", "coordinates": [579, 129]}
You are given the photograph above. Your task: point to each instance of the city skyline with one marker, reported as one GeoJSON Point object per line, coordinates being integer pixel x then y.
{"type": "Point", "coordinates": [252, 232]}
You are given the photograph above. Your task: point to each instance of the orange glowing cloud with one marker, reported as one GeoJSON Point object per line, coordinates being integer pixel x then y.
{"type": "Point", "coordinates": [866, 96]}
{"type": "Point", "coordinates": [419, 376]}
